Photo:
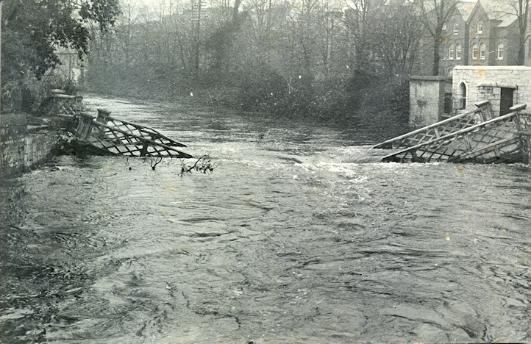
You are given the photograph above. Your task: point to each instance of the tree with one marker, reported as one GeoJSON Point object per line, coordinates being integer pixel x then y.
{"type": "Point", "coordinates": [222, 40]}
{"type": "Point", "coordinates": [35, 29]}
{"type": "Point", "coordinates": [1, 8]}
{"type": "Point", "coordinates": [359, 21]}
{"type": "Point", "coordinates": [434, 15]}
{"type": "Point", "coordinates": [521, 10]}
{"type": "Point", "coordinates": [397, 35]}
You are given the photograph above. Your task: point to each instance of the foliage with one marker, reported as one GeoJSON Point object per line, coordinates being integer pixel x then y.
{"type": "Point", "coordinates": [33, 30]}
{"type": "Point", "coordinates": [299, 58]}
{"type": "Point", "coordinates": [27, 94]}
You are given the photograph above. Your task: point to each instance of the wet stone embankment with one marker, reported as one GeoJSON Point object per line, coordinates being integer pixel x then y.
{"type": "Point", "coordinates": [299, 235]}
{"type": "Point", "coordinates": [21, 146]}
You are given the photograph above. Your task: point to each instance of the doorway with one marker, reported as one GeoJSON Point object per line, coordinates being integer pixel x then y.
{"type": "Point", "coordinates": [506, 100]}
{"type": "Point", "coordinates": [462, 96]}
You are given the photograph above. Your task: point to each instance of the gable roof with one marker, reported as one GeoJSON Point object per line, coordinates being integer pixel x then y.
{"type": "Point", "coordinates": [499, 10]}
{"type": "Point", "coordinates": [465, 8]}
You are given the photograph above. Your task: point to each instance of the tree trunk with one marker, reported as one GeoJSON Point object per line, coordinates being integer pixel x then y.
{"type": "Point", "coordinates": [1, 4]}
{"type": "Point", "coordinates": [436, 56]}
{"type": "Point", "coordinates": [236, 10]}
{"type": "Point", "coordinates": [521, 54]}
{"type": "Point", "coordinates": [523, 13]}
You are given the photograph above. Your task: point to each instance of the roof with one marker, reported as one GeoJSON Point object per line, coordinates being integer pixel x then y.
{"type": "Point", "coordinates": [465, 8]}
{"type": "Point", "coordinates": [428, 78]}
{"type": "Point", "coordinates": [519, 69]}
{"type": "Point", "coordinates": [500, 10]}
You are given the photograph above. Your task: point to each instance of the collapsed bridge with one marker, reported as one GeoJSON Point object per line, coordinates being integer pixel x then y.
{"type": "Point", "coordinates": [472, 137]}
{"type": "Point", "coordinates": [118, 137]}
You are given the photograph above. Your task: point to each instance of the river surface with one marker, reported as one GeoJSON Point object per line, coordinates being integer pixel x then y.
{"type": "Point", "coordinates": [298, 236]}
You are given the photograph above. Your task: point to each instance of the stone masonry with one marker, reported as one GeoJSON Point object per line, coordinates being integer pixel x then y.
{"type": "Point", "coordinates": [486, 83]}
{"type": "Point", "coordinates": [22, 147]}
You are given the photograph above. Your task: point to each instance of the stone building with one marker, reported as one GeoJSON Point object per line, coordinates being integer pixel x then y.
{"type": "Point", "coordinates": [71, 67]}
{"type": "Point", "coordinates": [503, 86]}
{"type": "Point", "coordinates": [430, 99]}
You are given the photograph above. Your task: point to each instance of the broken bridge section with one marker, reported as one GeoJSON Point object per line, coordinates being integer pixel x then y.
{"type": "Point", "coordinates": [120, 137]}
{"type": "Point", "coordinates": [471, 137]}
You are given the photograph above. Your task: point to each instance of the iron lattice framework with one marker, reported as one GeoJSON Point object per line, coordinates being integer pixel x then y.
{"type": "Point", "coordinates": [439, 129]}
{"type": "Point", "coordinates": [124, 138]}
{"type": "Point", "coordinates": [466, 138]}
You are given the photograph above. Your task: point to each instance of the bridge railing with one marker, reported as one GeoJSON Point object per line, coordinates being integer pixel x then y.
{"type": "Point", "coordinates": [136, 129]}
{"type": "Point", "coordinates": [493, 140]}
{"type": "Point", "coordinates": [119, 140]}
{"type": "Point", "coordinates": [440, 129]}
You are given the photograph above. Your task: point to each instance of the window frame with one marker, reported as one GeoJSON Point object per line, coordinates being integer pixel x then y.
{"type": "Point", "coordinates": [475, 51]}
{"type": "Point", "coordinates": [482, 51]}
{"type": "Point", "coordinates": [458, 51]}
{"type": "Point", "coordinates": [451, 51]}
{"type": "Point", "coordinates": [479, 27]}
{"type": "Point", "coordinates": [500, 48]}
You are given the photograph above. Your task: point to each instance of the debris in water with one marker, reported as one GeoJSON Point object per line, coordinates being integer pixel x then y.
{"type": "Point", "coordinates": [203, 165]}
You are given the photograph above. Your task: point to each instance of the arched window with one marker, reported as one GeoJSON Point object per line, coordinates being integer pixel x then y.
{"type": "Point", "coordinates": [462, 96]}
{"type": "Point", "coordinates": [456, 28]}
{"type": "Point", "coordinates": [458, 51]}
{"type": "Point", "coordinates": [480, 27]}
{"type": "Point", "coordinates": [482, 51]}
{"type": "Point", "coordinates": [475, 51]}
{"type": "Point", "coordinates": [451, 52]}
{"type": "Point", "coordinates": [500, 51]}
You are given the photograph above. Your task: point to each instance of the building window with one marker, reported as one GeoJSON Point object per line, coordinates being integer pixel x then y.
{"type": "Point", "coordinates": [480, 27]}
{"type": "Point", "coordinates": [500, 51]}
{"type": "Point", "coordinates": [462, 96]}
{"type": "Point", "coordinates": [456, 29]}
{"type": "Point", "coordinates": [458, 51]}
{"type": "Point", "coordinates": [482, 51]}
{"type": "Point", "coordinates": [451, 52]}
{"type": "Point", "coordinates": [475, 51]}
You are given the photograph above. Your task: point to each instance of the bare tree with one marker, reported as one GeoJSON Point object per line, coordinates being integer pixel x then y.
{"type": "Point", "coordinates": [521, 9]}
{"type": "Point", "coordinates": [397, 35]}
{"type": "Point", "coordinates": [434, 14]}
{"type": "Point", "coordinates": [1, 5]}
{"type": "Point", "coordinates": [359, 22]}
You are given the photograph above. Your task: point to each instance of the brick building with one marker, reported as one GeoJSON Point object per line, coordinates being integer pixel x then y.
{"type": "Point", "coordinates": [478, 33]}
{"type": "Point", "coordinates": [455, 46]}
{"type": "Point", "coordinates": [493, 34]}
{"type": "Point", "coordinates": [479, 58]}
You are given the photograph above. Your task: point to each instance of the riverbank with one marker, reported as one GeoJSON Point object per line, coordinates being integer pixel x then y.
{"type": "Point", "coordinates": [388, 122]}
{"type": "Point", "coordinates": [24, 143]}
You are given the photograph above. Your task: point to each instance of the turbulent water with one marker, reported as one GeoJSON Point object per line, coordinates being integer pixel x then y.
{"type": "Point", "coordinates": [298, 236]}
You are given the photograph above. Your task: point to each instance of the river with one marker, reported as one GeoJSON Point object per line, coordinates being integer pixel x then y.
{"type": "Point", "coordinates": [298, 236]}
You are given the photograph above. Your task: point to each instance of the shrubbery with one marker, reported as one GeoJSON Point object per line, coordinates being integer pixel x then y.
{"type": "Point", "coordinates": [28, 93]}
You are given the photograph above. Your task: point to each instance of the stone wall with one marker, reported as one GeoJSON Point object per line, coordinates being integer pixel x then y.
{"type": "Point", "coordinates": [485, 83]}
{"type": "Point", "coordinates": [20, 147]}
{"type": "Point", "coordinates": [426, 100]}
